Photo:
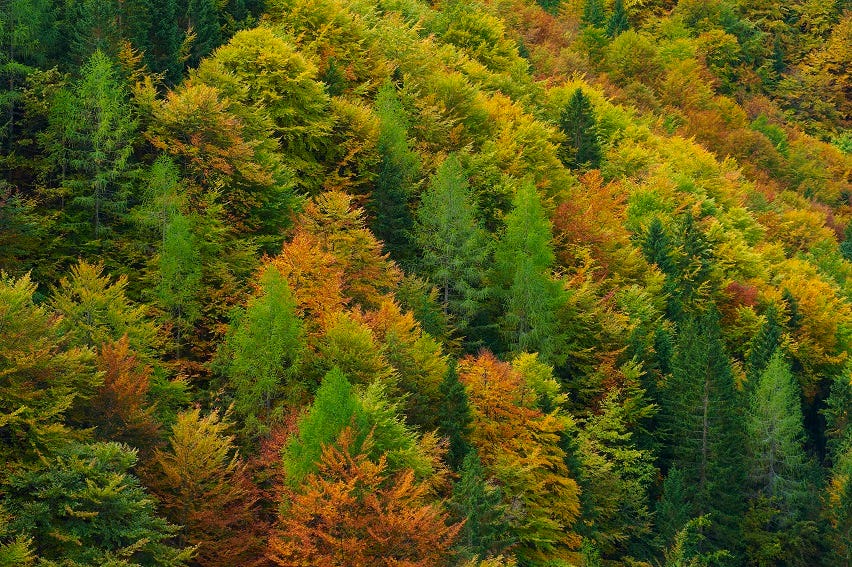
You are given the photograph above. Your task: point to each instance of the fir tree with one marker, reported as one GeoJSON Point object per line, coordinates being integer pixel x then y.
{"type": "Point", "coordinates": [202, 21]}
{"type": "Point", "coordinates": [617, 23]}
{"type": "Point", "coordinates": [390, 203]}
{"type": "Point", "coordinates": [523, 262]}
{"type": "Point", "coordinates": [764, 345]}
{"type": "Point", "coordinates": [657, 247]}
{"type": "Point", "coordinates": [593, 13]}
{"type": "Point", "coordinates": [581, 149]}
{"type": "Point", "coordinates": [707, 430]}
{"type": "Point", "coordinates": [454, 418]}
{"type": "Point", "coordinates": [454, 249]}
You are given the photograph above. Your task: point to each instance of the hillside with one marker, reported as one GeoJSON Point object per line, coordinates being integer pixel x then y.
{"type": "Point", "coordinates": [390, 283]}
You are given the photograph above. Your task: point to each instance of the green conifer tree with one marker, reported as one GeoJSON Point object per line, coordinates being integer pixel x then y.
{"type": "Point", "coordinates": [202, 21]}
{"type": "Point", "coordinates": [593, 13]}
{"type": "Point", "coordinates": [390, 203]}
{"type": "Point", "coordinates": [454, 418]}
{"type": "Point", "coordinates": [581, 148]}
{"type": "Point", "coordinates": [523, 261]}
{"type": "Point", "coordinates": [453, 247]}
{"type": "Point", "coordinates": [617, 23]}
{"type": "Point", "coordinates": [180, 274]}
{"type": "Point", "coordinates": [764, 345]}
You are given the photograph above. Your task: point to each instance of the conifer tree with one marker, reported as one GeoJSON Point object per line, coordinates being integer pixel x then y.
{"type": "Point", "coordinates": [202, 21]}
{"type": "Point", "coordinates": [617, 23]}
{"type": "Point", "coordinates": [764, 345]}
{"type": "Point", "coordinates": [454, 418]}
{"type": "Point", "coordinates": [180, 273]}
{"type": "Point", "coordinates": [657, 247]}
{"type": "Point", "coordinates": [263, 351]}
{"type": "Point", "coordinates": [453, 248]}
{"type": "Point", "coordinates": [702, 409]}
{"type": "Point", "coordinates": [391, 200]}
{"type": "Point", "coordinates": [166, 40]}
{"type": "Point", "coordinates": [593, 13]}
{"type": "Point", "coordinates": [479, 503]}
{"type": "Point", "coordinates": [523, 261]}
{"type": "Point", "coordinates": [581, 148]}
{"type": "Point", "coordinates": [87, 508]}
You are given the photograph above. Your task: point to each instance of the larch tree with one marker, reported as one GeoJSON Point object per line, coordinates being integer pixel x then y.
{"type": "Point", "coordinates": [263, 351]}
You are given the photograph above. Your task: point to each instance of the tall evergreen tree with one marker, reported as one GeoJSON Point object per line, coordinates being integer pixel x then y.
{"type": "Point", "coordinates": [593, 13]}
{"type": "Point", "coordinates": [657, 247]}
{"type": "Point", "coordinates": [454, 418]}
{"type": "Point", "coordinates": [618, 22]}
{"type": "Point", "coordinates": [180, 273]}
{"type": "Point", "coordinates": [581, 148]}
{"type": "Point", "coordinates": [390, 203]}
{"type": "Point", "coordinates": [523, 263]}
{"type": "Point", "coordinates": [764, 345]}
{"type": "Point", "coordinates": [202, 21]}
{"type": "Point", "coordinates": [166, 39]}
{"type": "Point", "coordinates": [453, 247]}
{"type": "Point", "coordinates": [706, 428]}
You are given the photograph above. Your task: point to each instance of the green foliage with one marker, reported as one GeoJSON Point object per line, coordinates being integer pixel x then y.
{"type": "Point", "coordinates": [617, 23]}
{"type": "Point", "coordinates": [87, 508]}
{"type": "Point", "coordinates": [454, 419]}
{"type": "Point", "coordinates": [523, 260]}
{"type": "Point", "coordinates": [454, 249]}
{"type": "Point", "coordinates": [593, 13]}
{"type": "Point", "coordinates": [581, 149]}
{"type": "Point", "coordinates": [180, 274]}
{"type": "Point", "coordinates": [263, 351]}
{"type": "Point", "coordinates": [202, 19]}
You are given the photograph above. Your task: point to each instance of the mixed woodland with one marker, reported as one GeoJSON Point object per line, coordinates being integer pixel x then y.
{"type": "Point", "coordinates": [392, 283]}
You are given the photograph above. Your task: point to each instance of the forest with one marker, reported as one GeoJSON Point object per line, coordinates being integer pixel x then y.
{"type": "Point", "coordinates": [413, 283]}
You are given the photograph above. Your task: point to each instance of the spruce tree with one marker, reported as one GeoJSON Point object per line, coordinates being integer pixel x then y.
{"type": "Point", "coordinates": [657, 247]}
{"type": "Point", "coordinates": [764, 345]}
{"type": "Point", "coordinates": [390, 202]}
{"type": "Point", "coordinates": [581, 148]}
{"type": "Point", "coordinates": [454, 418]}
{"type": "Point", "coordinates": [166, 40]}
{"type": "Point", "coordinates": [453, 247]}
{"type": "Point", "coordinates": [707, 431]}
{"type": "Point", "coordinates": [202, 20]}
{"type": "Point", "coordinates": [617, 23]}
{"type": "Point", "coordinates": [593, 13]}
{"type": "Point", "coordinates": [478, 503]}
{"type": "Point", "coordinates": [523, 263]}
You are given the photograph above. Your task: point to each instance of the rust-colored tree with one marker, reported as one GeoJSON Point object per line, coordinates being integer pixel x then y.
{"type": "Point", "coordinates": [204, 487]}
{"type": "Point", "coordinates": [352, 513]}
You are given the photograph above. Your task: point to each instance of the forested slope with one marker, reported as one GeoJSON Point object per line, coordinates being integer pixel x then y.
{"type": "Point", "coordinates": [390, 283]}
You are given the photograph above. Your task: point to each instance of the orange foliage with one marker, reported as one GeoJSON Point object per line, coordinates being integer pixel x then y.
{"type": "Point", "coordinates": [120, 409]}
{"type": "Point", "coordinates": [350, 513]}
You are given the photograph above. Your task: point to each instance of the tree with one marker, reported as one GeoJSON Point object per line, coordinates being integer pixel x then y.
{"type": "Point", "coordinates": [41, 378]}
{"type": "Point", "coordinates": [390, 202]}
{"type": "Point", "coordinates": [90, 140]}
{"type": "Point", "coordinates": [479, 504]}
{"type": "Point", "coordinates": [204, 487]}
{"type": "Point", "coordinates": [593, 13]}
{"type": "Point", "coordinates": [781, 474]}
{"type": "Point", "coordinates": [86, 508]}
{"type": "Point", "coordinates": [701, 411]}
{"type": "Point", "coordinates": [95, 310]}
{"type": "Point", "coordinates": [618, 20]}
{"type": "Point", "coordinates": [180, 274]}
{"type": "Point", "coordinates": [353, 512]}
{"type": "Point", "coordinates": [764, 345]}
{"type": "Point", "coordinates": [453, 247]}
{"type": "Point", "coordinates": [263, 351]}
{"type": "Point", "coordinates": [581, 148]}
{"type": "Point", "coordinates": [838, 506]}
{"type": "Point", "coordinates": [202, 23]}
{"type": "Point", "coordinates": [454, 419]}
{"type": "Point", "coordinates": [120, 410]}
{"type": "Point", "coordinates": [523, 261]}
{"type": "Point", "coordinates": [657, 247]}
{"type": "Point", "coordinates": [520, 448]}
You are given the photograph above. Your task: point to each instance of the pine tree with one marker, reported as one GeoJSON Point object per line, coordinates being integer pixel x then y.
{"type": "Point", "coordinates": [454, 418]}
{"type": "Point", "coordinates": [263, 351]}
{"type": "Point", "coordinates": [390, 202]}
{"type": "Point", "coordinates": [657, 247]}
{"type": "Point", "coordinates": [523, 261]}
{"type": "Point", "coordinates": [453, 248]}
{"type": "Point", "coordinates": [706, 428]}
{"type": "Point", "coordinates": [581, 148]}
{"type": "Point", "coordinates": [618, 20]}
